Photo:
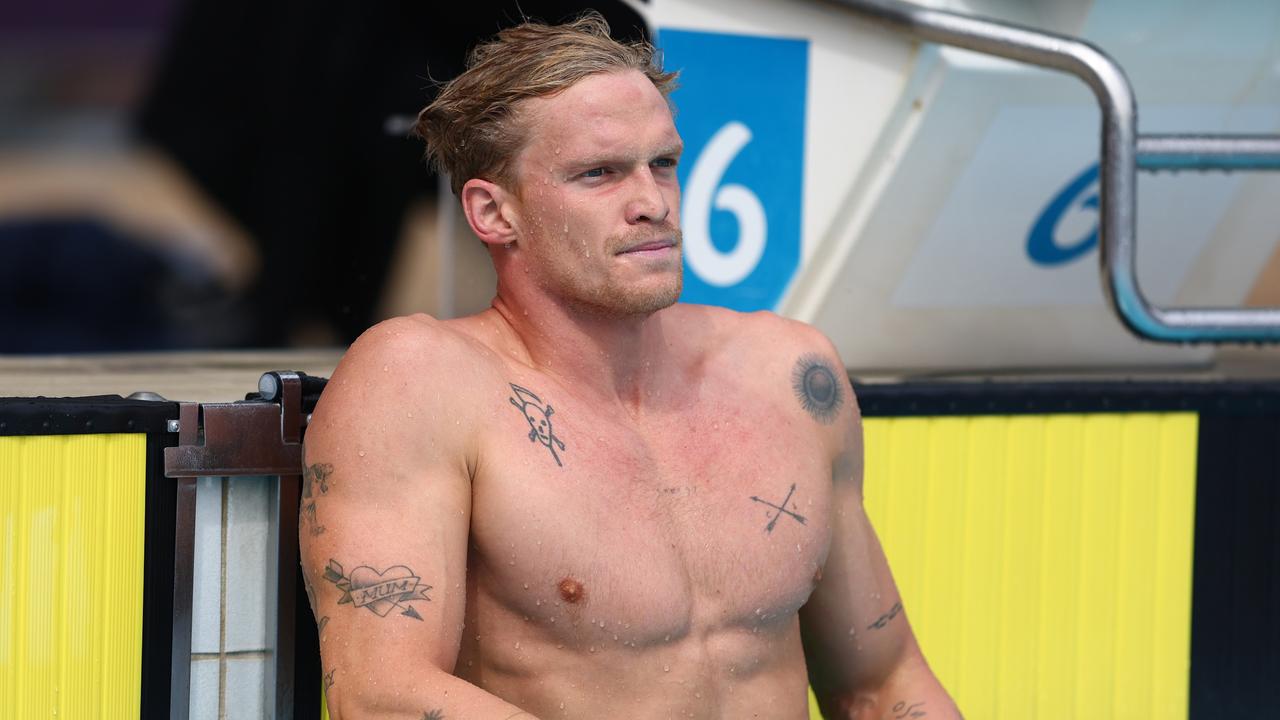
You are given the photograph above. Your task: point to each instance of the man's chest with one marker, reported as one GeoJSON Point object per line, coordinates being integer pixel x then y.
{"type": "Point", "coordinates": [715, 514]}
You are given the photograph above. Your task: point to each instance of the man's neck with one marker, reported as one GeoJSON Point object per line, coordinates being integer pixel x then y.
{"type": "Point", "coordinates": [620, 359]}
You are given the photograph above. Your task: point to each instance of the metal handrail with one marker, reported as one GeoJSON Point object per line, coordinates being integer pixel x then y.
{"type": "Point", "coordinates": [1123, 152]}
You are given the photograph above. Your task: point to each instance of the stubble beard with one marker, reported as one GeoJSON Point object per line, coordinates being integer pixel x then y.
{"type": "Point", "coordinates": [615, 300]}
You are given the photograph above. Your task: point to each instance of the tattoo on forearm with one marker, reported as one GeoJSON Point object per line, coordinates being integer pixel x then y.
{"type": "Point", "coordinates": [328, 679]}
{"type": "Point", "coordinates": [902, 710]}
{"type": "Point", "coordinates": [436, 714]}
{"type": "Point", "coordinates": [315, 482]}
{"type": "Point", "coordinates": [781, 509]}
{"type": "Point", "coordinates": [817, 388]}
{"type": "Point", "coordinates": [321, 623]}
{"type": "Point", "coordinates": [538, 415]}
{"type": "Point", "coordinates": [885, 618]}
{"type": "Point", "coordinates": [379, 591]}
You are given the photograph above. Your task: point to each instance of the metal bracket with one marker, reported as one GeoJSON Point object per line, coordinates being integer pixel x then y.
{"type": "Point", "coordinates": [241, 438]}
{"type": "Point", "coordinates": [262, 436]}
{"type": "Point", "coordinates": [1123, 152]}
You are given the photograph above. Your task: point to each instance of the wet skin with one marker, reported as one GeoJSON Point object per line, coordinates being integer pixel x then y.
{"type": "Point", "coordinates": [587, 502]}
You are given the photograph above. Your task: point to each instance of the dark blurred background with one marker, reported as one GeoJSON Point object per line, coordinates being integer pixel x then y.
{"type": "Point", "coordinates": [181, 174]}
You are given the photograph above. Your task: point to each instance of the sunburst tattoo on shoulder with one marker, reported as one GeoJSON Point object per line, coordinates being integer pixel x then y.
{"type": "Point", "coordinates": [817, 387]}
{"type": "Point", "coordinates": [433, 715]}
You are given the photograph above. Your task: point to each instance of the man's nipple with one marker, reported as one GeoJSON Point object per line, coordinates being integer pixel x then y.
{"type": "Point", "coordinates": [572, 591]}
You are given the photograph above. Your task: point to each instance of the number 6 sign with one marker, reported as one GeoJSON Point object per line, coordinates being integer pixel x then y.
{"type": "Point", "coordinates": [717, 268]}
{"type": "Point", "coordinates": [741, 113]}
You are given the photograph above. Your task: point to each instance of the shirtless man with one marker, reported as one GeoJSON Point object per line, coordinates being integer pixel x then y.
{"type": "Point", "coordinates": [588, 501]}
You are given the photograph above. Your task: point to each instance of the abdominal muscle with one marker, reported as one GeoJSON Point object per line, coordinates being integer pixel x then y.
{"type": "Point", "coordinates": [706, 672]}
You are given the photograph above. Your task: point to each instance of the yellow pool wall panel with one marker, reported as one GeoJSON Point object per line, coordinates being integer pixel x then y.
{"type": "Point", "coordinates": [1044, 561]}
{"type": "Point", "coordinates": [71, 573]}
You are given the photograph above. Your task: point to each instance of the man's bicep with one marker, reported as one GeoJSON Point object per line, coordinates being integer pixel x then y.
{"type": "Point", "coordinates": [855, 628]}
{"type": "Point", "coordinates": [380, 559]}
{"type": "Point", "coordinates": [383, 534]}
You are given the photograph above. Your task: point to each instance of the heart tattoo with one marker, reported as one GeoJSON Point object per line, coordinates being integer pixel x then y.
{"type": "Point", "coordinates": [379, 591]}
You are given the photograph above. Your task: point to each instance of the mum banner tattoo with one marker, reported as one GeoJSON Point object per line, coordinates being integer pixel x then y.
{"type": "Point", "coordinates": [379, 591]}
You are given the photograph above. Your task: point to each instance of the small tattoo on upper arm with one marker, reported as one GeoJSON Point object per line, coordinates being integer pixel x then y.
{"type": "Point", "coordinates": [781, 508]}
{"type": "Point", "coordinates": [817, 387]}
{"type": "Point", "coordinates": [379, 591]}
{"type": "Point", "coordinates": [902, 710]}
{"type": "Point", "coordinates": [328, 679]}
{"type": "Point", "coordinates": [538, 415]}
{"type": "Point", "coordinates": [321, 623]}
{"type": "Point", "coordinates": [885, 618]}
{"type": "Point", "coordinates": [315, 481]}
{"type": "Point", "coordinates": [436, 714]}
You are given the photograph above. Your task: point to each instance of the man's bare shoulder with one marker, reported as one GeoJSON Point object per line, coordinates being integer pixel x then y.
{"type": "Point", "coordinates": [406, 362]}
{"type": "Point", "coordinates": [419, 342]}
{"type": "Point", "coordinates": [760, 332]}
{"type": "Point", "coordinates": [762, 355]}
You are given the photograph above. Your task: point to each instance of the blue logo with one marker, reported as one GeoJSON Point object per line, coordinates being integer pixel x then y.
{"type": "Point", "coordinates": [1042, 244]}
{"type": "Point", "coordinates": [741, 112]}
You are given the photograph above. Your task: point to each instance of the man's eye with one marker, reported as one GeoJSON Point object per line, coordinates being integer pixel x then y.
{"type": "Point", "coordinates": [594, 173]}
{"type": "Point", "coordinates": [665, 162]}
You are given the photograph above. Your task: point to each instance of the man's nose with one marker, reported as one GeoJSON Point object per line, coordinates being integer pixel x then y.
{"type": "Point", "coordinates": [648, 201]}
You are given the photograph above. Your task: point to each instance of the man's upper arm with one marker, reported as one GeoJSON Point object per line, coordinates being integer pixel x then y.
{"type": "Point", "coordinates": [856, 635]}
{"type": "Point", "coordinates": [385, 516]}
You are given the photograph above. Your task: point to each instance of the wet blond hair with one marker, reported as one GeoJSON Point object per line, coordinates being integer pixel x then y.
{"type": "Point", "coordinates": [473, 129]}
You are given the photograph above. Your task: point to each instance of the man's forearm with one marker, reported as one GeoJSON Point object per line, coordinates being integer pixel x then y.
{"type": "Point", "coordinates": [440, 697]}
{"type": "Point", "coordinates": [912, 692]}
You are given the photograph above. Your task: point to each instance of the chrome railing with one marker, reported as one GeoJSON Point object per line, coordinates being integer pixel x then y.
{"type": "Point", "coordinates": [1123, 152]}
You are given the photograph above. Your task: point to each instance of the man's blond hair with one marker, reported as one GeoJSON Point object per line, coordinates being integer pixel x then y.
{"type": "Point", "coordinates": [473, 128]}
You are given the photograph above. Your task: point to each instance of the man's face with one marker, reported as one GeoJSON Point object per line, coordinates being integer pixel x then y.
{"type": "Point", "coordinates": [598, 197]}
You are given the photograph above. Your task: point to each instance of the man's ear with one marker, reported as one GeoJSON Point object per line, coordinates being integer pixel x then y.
{"type": "Point", "coordinates": [488, 209]}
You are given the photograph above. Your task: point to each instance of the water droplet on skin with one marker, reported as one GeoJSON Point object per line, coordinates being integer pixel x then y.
{"type": "Point", "coordinates": [361, 453]}
{"type": "Point", "coordinates": [517, 644]}
{"type": "Point", "coordinates": [667, 639]}
{"type": "Point", "coordinates": [561, 706]}
{"type": "Point", "coordinates": [615, 637]}
{"type": "Point", "coordinates": [592, 648]}
{"type": "Point", "coordinates": [384, 368]}
{"type": "Point", "coordinates": [666, 668]}
{"type": "Point", "coordinates": [526, 586]}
